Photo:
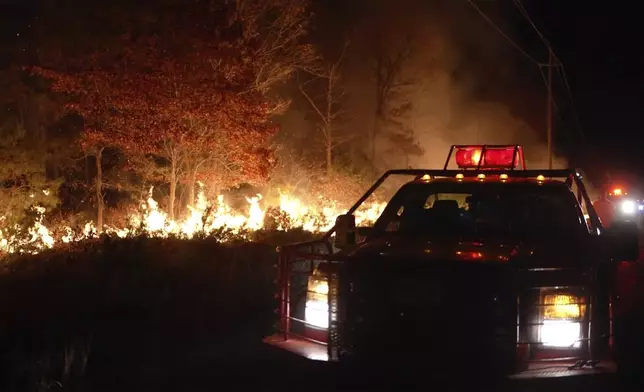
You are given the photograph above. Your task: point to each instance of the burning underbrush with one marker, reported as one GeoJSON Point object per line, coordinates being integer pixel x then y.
{"type": "Point", "coordinates": [150, 301]}
{"type": "Point", "coordinates": [153, 299]}
{"type": "Point", "coordinates": [206, 218]}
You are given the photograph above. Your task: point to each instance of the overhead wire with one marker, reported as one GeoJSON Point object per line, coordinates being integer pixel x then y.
{"type": "Point", "coordinates": [562, 73]}
{"type": "Point", "coordinates": [554, 102]}
{"type": "Point", "coordinates": [544, 40]}
{"type": "Point", "coordinates": [559, 65]}
{"type": "Point", "coordinates": [525, 14]}
{"type": "Point", "coordinates": [498, 29]}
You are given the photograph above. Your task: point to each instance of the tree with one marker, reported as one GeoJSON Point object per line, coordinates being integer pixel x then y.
{"type": "Point", "coordinates": [391, 83]}
{"type": "Point", "coordinates": [27, 187]}
{"type": "Point", "coordinates": [328, 106]}
{"type": "Point", "coordinates": [271, 35]}
{"type": "Point", "coordinates": [189, 87]}
{"type": "Point", "coordinates": [23, 177]}
{"type": "Point", "coordinates": [94, 98]}
{"type": "Point", "coordinates": [399, 134]}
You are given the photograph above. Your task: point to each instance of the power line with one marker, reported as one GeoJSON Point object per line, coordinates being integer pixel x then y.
{"type": "Point", "coordinates": [525, 14]}
{"type": "Point", "coordinates": [544, 40]}
{"type": "Point", "coordinates": [554, 103]}
{"type": "Point", "coordinates": [498, 29]}
{"type": "Point", "coordinates": [559, 65]}
{"type": "Point", "coordinates": [562, 73]}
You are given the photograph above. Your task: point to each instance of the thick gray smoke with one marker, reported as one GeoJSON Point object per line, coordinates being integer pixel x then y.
{"type": "Point", "coordinates": [462, 69]}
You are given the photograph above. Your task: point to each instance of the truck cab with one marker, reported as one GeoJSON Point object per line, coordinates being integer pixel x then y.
{"type": "Point", "coordinates": [488, 263]}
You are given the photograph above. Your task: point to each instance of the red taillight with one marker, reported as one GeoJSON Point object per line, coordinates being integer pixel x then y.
{"type": "Point", "coordinates": [472, 256]}
{"type": "Point", "coordinates": [474, 157]}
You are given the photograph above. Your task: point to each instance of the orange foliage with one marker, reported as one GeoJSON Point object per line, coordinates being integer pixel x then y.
{"type": "Point", "coordinates": [194, 86]}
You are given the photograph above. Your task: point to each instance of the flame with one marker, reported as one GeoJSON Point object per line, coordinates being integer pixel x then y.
{"type": "Point", "coordinates": [203, 217]}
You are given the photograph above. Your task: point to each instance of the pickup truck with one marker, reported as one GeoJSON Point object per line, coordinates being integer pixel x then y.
{"type": "Point", "coordinates": [488, 264]}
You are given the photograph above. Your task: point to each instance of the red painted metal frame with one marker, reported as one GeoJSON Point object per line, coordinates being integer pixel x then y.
{"type": "Point", "coordinates": [284, 276]}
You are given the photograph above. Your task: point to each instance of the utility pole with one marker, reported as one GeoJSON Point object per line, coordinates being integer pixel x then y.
{"type": "Point", "coordinates": [549, 107]}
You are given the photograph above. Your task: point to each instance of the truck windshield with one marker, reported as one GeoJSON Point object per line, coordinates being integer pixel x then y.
{"type": "Point", "coordinates": [482, 209]}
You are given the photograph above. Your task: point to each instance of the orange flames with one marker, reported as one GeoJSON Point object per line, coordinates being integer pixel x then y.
{"type": "Point", "coordinates": [204, 217]}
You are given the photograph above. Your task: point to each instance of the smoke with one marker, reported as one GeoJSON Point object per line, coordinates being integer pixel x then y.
{"type": "Point", "coordinates": [469, 84]}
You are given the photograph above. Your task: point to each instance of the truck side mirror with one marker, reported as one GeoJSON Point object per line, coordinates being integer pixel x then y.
{"type": "Point", "coordinates": [624, 241]}
{"type": "Point", "coordinates": [345, 231]}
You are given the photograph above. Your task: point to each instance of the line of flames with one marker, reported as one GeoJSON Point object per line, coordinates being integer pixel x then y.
{"type": "Point", "coordinates": [203, 217]}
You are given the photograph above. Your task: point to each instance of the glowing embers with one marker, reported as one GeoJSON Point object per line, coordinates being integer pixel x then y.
{"type": "Point", "coordinates": [562, 316]}
{"type": "Point", "coordinates": [316, 312]}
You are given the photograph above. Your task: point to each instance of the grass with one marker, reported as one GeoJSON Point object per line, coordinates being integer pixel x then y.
{"type": "Point", "coordinates": [114, 313]}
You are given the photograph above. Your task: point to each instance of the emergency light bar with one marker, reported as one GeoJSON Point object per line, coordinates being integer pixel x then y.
{"type": "Point", "coordinates": [487, 157]}
{"type": "Point", "coordinates": [617, 192]}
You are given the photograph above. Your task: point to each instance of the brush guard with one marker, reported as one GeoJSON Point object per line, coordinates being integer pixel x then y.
{"type": "Point", "coordinates": [297, 262]}
{"type": "Point", "coordinates": [534, 358]}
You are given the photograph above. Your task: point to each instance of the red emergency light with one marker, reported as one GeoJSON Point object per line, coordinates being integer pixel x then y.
{"type": "Point", "coordinates": [484, 157]}
{"type": "Point", "coordinates": [617, 192]}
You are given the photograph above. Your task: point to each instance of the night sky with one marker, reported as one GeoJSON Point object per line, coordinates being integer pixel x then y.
{"type": "Point", "coordinates": [597, 45]}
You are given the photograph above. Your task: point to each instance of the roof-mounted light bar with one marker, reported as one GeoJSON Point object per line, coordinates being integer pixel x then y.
{"type": "Point", "coordinates": [486, 157]}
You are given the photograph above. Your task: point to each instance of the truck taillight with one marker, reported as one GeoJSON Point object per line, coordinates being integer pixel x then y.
{"type": "Point", "coordinates": [562, 318]}
{"type": "Point", "coordinates": [316, 312]}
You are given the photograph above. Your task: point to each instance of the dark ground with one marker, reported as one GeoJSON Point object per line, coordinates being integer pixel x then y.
{"type": "Point", "coordinates": [163, 315]}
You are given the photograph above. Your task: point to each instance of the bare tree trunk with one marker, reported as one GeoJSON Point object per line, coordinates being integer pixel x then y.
{"type": "Point", "coordinates": [372, 142]}
{"type": "Point", "coordinates": [87, 178]}
{"type": "Point", "coordinates": [100, 205]}
{"type": "Point", "coordinates": [329, 120]}
{"type": "Point", "coordinates": [329, 157]}
{"type": "Point", "coordinates": [192, 182]}
{"type": "Point", "coordinates": [173, 189]}
{"type": "Point", "coordinates": [374, 133]}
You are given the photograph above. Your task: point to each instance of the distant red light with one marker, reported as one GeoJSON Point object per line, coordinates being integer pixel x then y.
{"type": "Point", "coordinates": [470, 255]}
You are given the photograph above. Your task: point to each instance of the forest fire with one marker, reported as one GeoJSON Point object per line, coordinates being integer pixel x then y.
{"type": "Point", "coordinates": [205, 217]}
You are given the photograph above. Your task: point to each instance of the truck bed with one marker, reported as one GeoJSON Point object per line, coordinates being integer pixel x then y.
{"type": "Point", "coordinates": [536, 370]}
